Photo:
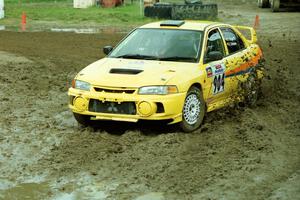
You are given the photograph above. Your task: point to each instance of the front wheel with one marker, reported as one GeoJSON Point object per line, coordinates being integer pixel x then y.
{"type": "Point", "coordinates": [193, 110]}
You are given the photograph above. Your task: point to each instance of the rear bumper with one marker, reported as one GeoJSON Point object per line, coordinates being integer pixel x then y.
{"type": "Point", "coordinates": [147, 107]}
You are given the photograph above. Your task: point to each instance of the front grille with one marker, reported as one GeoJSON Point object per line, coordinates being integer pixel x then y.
{"type": "Point", "coordinates": [126, 108]}
{"type": "Point", "coordinates": [127, 91]}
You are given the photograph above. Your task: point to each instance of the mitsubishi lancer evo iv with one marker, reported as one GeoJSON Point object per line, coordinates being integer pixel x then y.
{"type": "Point", "coordinates": [175, 71]}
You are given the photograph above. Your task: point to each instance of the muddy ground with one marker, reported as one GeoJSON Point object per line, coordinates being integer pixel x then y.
{"type": "Point", "coordinates": [238, 153]}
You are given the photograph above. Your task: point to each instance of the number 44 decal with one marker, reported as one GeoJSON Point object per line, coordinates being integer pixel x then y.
{"type": "Point", "coordinates": [217, 73]}
{"type": "Point", "coordinates": [218, 83]}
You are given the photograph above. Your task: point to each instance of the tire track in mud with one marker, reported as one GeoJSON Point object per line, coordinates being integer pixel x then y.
{"type": "Point", "coordinates": [23, 119]}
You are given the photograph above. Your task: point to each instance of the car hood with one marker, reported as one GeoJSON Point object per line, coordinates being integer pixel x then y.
{"type": "Point", "coordinates": [113, 72]}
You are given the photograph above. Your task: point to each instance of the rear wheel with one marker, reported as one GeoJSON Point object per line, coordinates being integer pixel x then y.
{"type": "Point", "coordinates": [84, 120]}
{"type": "Point", "coordinates": [263, 3]}
{"type": "Point", "coordinates": [193, 110]}
{"type": "Point", "coordinates": [251, 90]}
{"type": "Point", "coordinates": [275, 5]}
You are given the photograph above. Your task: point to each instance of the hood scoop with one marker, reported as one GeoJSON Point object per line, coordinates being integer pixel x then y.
{"type": "Point", "coordinates": [125, 71]}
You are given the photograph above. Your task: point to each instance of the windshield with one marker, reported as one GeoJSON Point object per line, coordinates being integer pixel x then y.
{"type": "Point", "coordinates": [160, 44]}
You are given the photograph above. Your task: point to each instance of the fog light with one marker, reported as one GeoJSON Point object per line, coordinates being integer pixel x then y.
{"type": "Point", "coordinates": [80, 104]}
{"type": "Point", "coordinates": [146, 109]}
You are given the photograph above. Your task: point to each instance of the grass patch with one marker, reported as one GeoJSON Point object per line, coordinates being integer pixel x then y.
{"type": "Point", "coordinates": [62, 11]}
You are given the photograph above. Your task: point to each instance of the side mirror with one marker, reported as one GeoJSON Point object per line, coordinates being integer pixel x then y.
{"type": "Point", "coordinates": [214, 56]}
{"type": "Point", "coordinates": [107, 49]}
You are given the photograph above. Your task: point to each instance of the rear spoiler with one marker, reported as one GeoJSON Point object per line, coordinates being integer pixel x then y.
{"type": "Point", "coordinates": [248, 32]}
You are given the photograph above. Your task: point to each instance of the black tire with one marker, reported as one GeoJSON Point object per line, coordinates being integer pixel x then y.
{"type": "Point", "coordinates": [275, 5]}
{"type": "Point", "coordinates": [188, 2]}
{"type": "Point", "coordinates": [263, 3]}
{"type": "Point", "coordinates": [83, 120]}
{"type": "Point", "coordinates": [195, 12]}
{"type": "Point", "coordinates": [192, 116]}
{"type": "Point", "coordinates": [149, 11]}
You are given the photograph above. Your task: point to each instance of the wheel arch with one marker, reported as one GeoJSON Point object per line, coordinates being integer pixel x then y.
{"type": "Point", "coordinates": [197, 85]}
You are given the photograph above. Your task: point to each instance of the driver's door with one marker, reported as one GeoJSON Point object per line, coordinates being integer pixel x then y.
{"type": "Point", "coordinates": [215, 67]}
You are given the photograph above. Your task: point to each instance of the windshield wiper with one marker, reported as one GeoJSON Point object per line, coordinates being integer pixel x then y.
{"type": "Point", "coordinates": [137, 56]}
{"type": "Point", "coordinates": [178, 58]}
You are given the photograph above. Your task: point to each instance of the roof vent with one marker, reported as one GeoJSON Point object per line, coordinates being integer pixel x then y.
{"type": "Point", "coordinates": [172, 23]}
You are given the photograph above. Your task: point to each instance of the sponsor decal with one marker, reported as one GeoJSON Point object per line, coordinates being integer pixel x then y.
{"type": "Point", "coordinates": [134, 65]}
{"type": "Point", "coordinates": [219, 83]}
{"type": "Point", "coordinates": [209, 72]}
{"type": "Point", "coordinates": [218, 66]}
{"type": "Point", "coordinates": [217, 73]}
{"type": "Point", "coordinates": [215, 70]}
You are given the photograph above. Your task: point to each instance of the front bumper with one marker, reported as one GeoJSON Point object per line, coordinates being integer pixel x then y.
{"type": "Point", "coordinates": [146, 107]}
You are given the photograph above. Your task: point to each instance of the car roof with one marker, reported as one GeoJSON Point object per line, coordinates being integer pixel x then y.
{"type": "Point", "coordinates": [188, 25]}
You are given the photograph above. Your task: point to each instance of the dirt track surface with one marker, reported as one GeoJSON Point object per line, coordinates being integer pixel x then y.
{"type": "Point", "coordinates": [239, 153]}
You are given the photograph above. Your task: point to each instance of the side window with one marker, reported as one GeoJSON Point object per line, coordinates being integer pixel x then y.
{"type": "Point", "coordinates": [233, 41]}
{"type": "Point", "coordinates": [214, 46]}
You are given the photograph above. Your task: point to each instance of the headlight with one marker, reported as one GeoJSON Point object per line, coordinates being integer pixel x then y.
{"type": "Point", "coordinates": [162, 90]}
{"type": "Point", "coordinates": [82, 85]}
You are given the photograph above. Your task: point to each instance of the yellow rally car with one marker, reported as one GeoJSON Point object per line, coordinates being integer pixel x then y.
{"type": "Point", "coordinates": [170, 70]}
